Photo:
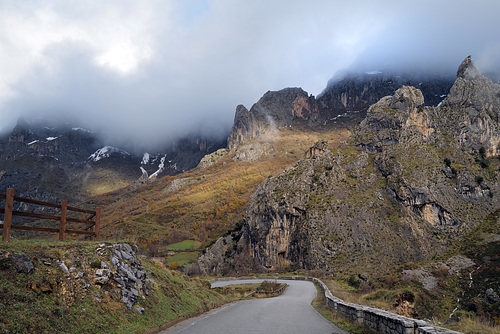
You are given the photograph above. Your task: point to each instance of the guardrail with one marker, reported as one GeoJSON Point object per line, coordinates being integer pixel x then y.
{"type": "Point", "coordinates": [63, 219]}
{"type": "Point", "coordinates": [375, 319]}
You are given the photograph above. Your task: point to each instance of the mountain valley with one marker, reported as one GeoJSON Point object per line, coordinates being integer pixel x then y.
{"type": "Point", "coordinates": [383, 180]}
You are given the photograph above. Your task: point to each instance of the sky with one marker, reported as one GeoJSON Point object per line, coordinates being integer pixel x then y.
{"type": "Point", "coordinates": [150, 71]}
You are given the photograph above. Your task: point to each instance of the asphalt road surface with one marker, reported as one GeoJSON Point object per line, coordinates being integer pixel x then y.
{"type": "Point", "coordinates": [288, 313]}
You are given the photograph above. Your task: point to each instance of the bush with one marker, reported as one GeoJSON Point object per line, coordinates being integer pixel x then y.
{"type": "Point", "coordinates": [95, 264]}
{"type": "Point", "coordinates": [482, 152]}
{"type": "Point", "coordinates": [447, 162]}
{"type": "Point", "coordinates": [479, 179]}
{"type": "Point", "coordinates": [354, 282]}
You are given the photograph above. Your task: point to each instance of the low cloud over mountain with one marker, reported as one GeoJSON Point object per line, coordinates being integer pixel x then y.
{"type": "Point", "coordinates": [149, 72]}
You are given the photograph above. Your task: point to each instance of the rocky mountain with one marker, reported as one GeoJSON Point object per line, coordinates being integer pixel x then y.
{"type": "Point", "coordinates": [354, 91]}
{"type": "Point", "coordinates": [344, 102]}
{"type": "Point", "coordinates": [274, 110]}
{"type": "Point", "coordinates": [411, 182]}
{"type": "Point", "coordinates": [52, 163]}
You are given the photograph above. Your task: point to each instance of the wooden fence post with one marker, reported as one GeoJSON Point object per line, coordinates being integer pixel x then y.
{"type": "Point", "coordinates": [97, 222]}
{"type": "Point", "coordinates": [62, 223]}
{"type": "Point", "coordinates": [7, 219]}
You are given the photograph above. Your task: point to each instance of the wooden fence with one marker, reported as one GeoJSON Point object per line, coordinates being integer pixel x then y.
{"type": "Point", "coordinates": [63, 219]}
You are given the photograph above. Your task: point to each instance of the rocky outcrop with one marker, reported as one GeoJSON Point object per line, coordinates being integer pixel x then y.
{"type": "Point", "coordinates": [479, 98]}
{"type": "Point", "coordinates": [378, 200]}
{"type": "Point", "coordinates": [358, 91]}
{"type": "Point", "coordinates": [343, 102]}
{"type": "Point", "coordinates": [114, 271]}
{"type": "Point", "coordinates": [274, 110]}
{"type": "Point", "coordinates": [130, 274]}
{"type": "Point", "coordinates": [212, 158]}
{"type": "Point", "coordinates": [246, 126]}
{"type": "Point", "coordinates": [21, 262]}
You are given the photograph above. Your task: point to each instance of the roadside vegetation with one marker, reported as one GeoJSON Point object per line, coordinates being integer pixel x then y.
{"type": "Point", "coordinates": [48, 301]}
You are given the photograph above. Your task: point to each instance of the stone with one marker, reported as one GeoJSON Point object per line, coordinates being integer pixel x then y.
{"type": "Point", "coordinates": [139, 310]}
{"type": "Point", "coordinates": [491, 297]}
{"type": "Point", "coordinates": [45, 287]}
{"type": "Point", "coordinates": [22, 263]}
{"type": "Point", "coordinates": [101, 280]}
{"type": "Point", "coordinates": [64, 268]}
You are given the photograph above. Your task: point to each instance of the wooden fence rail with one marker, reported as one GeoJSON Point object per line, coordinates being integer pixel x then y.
{"type": "Point", "coordinates": [8, 212]}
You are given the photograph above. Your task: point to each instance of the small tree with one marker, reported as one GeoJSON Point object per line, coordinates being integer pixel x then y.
{"type": "Point", "coordinates": [482, 152]}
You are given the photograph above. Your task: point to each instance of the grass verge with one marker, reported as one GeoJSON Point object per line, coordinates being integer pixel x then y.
{"type": "Point", "coordinates": [49, 301]}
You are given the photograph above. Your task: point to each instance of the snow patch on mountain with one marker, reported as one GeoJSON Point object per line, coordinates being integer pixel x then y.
{"type": "Point", "coordinates": [81, 129]}
{"type": "Point", "coordinates": [105, 152]}
{"type": "Point", "coordinates": [51, 138]}
{"type": "Point", "coordinates": [145, 158]}
{"type": "Point", "coordinates": [33, 142]}
{"type": "Point", "coordinates": [161, 167]}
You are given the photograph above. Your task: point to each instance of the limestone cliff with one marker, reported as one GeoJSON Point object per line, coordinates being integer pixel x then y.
{"type": "Point", "coordinates": [343, 102]}
{"type": "Point", "coordinates": [273, 110]}
{"type": "Point", "coordinates": [410, 181]}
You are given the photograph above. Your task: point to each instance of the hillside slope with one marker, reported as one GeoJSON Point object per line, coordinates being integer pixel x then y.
{"type": "Point", "coordinates": [205, 202]}
{"type": "Point", "coordinates": [92, 288]}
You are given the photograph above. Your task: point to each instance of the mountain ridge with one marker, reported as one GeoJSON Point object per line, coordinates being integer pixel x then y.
{"type": "Point", "coordinates": [414, 180]}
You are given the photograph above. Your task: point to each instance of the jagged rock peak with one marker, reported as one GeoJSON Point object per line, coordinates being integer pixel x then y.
{"type": "Point", "coordinates": [474, 92]}
{"type": "Point", "coordinates": [240, 110]}
{"type": "Point", "coordinates": [274, 110]}
{"type": "Point", "coordinates": [407, 98]}
{"type": "Point", "coordinates": [467, 69]}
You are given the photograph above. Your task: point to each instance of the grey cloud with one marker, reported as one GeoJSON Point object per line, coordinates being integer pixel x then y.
{"type": "Point", "coordinates": [206, 61]}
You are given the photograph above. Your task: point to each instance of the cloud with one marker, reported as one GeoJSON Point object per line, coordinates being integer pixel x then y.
{"type": "Point", "coordinates": [148, 72]}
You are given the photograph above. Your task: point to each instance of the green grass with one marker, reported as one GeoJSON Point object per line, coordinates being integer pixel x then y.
{"type": "Point", "coordinates": [74, 307]}
{"type": "Point", "coordinates": [185, 245]}
{"type": "Point", "coordinates": [182, 258]}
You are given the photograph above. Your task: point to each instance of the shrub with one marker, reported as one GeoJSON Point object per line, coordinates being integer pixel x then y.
{"type": "Point", "coordinates": [95, 264]}
{"type": "Point", "coordinates": [354, 282]}
{"type": "Point", "coordinates": [482, 152]}
{"type": "Point", "coordinates": [479, 179]}
{"type": "Point", "coordinates": [447, 162]}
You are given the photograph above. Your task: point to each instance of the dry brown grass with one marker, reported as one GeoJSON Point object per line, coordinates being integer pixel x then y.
{"type": "Point", "coordinates": [210, 202]}
{"type": "Point", "coordinates": [474, 326]}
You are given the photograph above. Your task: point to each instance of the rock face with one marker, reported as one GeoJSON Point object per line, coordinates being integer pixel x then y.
{"type": "Point", "coordinates": [479, 97]}
{"type": "Point", "coordinates": [273, 110]}
{"type": "Point", "coordinates": [358, 91]}
{"type": "Point", "coordinates": [344, 102]}
{"type": "Point", "coordinates": [129, 274]}
{"type": "Point", "coordinates": [401, 189]}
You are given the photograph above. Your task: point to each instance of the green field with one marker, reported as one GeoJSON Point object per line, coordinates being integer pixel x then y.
{"type": "Point", "coordinates": [182, 258]}
{"type": "Point", "coordinates": [184, 245]}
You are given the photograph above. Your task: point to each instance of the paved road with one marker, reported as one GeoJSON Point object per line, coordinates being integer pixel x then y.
{"type": "Point", "coordinates": [291, 312]}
